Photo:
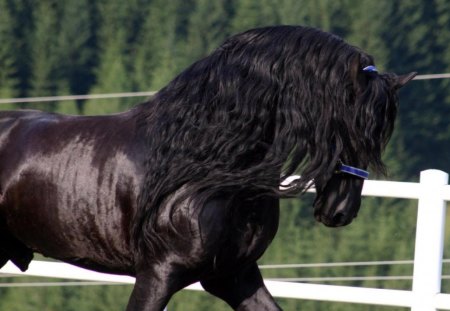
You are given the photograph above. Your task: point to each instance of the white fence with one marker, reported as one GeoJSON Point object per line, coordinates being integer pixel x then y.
{"type": "Point", "coordinates": [432, 193]}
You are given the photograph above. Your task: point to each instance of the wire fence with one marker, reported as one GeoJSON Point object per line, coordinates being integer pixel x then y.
{"type": "Point", "coordinates": [266, 267]}
{"type": "Point", "coordinates": [272, 266]}
{"type": "Point", "coordinates": [21, 100]}
{"type": "Point", "coordinates": [140, 94]}
{"type": "Point", "coordinates": [339, 264]}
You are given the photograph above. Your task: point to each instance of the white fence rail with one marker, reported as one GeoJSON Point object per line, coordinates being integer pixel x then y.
{"type": "Point", "coordinates": [431, 192]}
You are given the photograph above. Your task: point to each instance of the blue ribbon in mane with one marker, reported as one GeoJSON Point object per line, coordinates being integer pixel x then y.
{"type": "Point", "coordinates": [370, 68]}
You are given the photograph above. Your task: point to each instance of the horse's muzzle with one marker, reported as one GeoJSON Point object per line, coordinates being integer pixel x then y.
{"type": "Point", "coordinates": [338, 219]}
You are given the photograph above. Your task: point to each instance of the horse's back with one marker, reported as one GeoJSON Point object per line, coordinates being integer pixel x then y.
{"type": "Point", "coordinates": [16, 131]}
{"type": "Point", "coordinates": [10, 119]}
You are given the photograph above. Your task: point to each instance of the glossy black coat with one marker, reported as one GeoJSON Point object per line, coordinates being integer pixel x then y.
{"type": "Point", "coordinates": [69, 188]}
{"type": "Point", "coordinates": [185, 187]}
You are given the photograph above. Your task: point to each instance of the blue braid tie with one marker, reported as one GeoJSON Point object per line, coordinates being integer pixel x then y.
{"type": "Point", "coordinates": [370, 68]}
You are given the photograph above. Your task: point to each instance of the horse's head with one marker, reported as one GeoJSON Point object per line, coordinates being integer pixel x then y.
{"type": "Point", "coordinates": [338, 198]}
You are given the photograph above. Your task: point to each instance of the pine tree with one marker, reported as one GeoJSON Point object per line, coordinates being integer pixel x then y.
{"type": "Point", "coordinates": [155, 56]}
{"type": "Point", "coordinates": [254, 13]}
{"type": "Point", "coordinates": [44, 48]}
{"type": "Point", "coordinates": [327, 15]}
{"type": "Point", "coordinates": [413, 33]}
{"type": "Point", "coordinates": [443, 38]}
{"type": "Point", "coordinates": [113, 73]}
{"type": "Point", "coordinates": [8, 70]}
{"type": "Point", "coordinates": [76, 45]}
{"type": "Point", "coordinates": [208, 27]}
{"type": "Point", "coordinates": [368, 21]}
{"type": "Point", "coordinates": [16, 21]}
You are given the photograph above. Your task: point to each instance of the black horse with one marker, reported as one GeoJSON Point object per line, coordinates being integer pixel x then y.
{"type": "Point", "coordinates": [186, 186]}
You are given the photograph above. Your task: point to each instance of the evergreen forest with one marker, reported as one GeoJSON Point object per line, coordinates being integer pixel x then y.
{"type": "Point", "coordinates": [51, 47]}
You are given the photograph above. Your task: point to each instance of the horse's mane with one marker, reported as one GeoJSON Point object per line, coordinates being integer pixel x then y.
{"type": "Point", "coordinates": [268, 103]}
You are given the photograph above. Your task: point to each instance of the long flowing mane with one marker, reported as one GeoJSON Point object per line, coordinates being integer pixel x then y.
{"type": "Point", "coordinates": [266, 104]}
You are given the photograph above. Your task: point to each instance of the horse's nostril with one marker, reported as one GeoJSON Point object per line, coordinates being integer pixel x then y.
{"type": "Point", "coordinates": [339, 218]}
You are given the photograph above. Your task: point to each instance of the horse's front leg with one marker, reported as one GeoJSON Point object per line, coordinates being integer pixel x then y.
{"type": "Point", "coordinates": [154, 287]}
{"type": "Point", "coordinates": [244, 291]}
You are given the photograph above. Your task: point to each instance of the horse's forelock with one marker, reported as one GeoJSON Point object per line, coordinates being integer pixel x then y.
{"type": "Point", "coordinates": [378, 109]}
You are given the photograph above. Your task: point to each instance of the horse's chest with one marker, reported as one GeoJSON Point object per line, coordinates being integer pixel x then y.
{"type": "Point", "coordinates": [246, 232]}
{"type": "Point", "coordinates": [253, 229]}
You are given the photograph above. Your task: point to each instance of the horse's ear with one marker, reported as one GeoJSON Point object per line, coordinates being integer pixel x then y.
{"type": "Point", "coordinates": [400, 81]}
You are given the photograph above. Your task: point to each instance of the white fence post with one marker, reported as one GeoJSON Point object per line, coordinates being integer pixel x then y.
{"type": "Point", "coordinates": [429, 240]}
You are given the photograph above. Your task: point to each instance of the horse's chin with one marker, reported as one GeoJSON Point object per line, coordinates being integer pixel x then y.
{"type": "Point", "coordinates": [332, 222]}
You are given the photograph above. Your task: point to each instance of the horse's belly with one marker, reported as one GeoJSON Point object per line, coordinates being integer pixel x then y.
{"type": "Point", "coordinates": [77, 228]}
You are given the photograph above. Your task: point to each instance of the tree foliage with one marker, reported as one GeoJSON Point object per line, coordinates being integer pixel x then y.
{"type": "Point", "coordinates": [54, 47]}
